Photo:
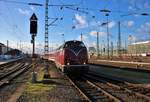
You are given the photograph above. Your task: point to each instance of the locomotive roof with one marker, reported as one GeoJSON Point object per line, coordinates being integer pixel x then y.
{"type": "Point", "coordinates": [69, 42]}
{"type": "Point", "coordinates": [72, 41]}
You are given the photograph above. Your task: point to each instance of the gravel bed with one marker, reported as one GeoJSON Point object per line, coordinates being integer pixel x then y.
{"type": "Point", "coordinates": [8, 90]}
{"type": "Point", "coordinates": [55, 89]}
{"type": "Point", "coordinates": [131, 76]}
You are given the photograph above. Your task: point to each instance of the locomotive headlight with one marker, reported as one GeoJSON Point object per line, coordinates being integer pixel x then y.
{"type": "Point", "coordinates": [68, 63]}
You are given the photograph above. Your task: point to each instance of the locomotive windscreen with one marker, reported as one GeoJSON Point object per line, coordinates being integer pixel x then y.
{"type": "Point", "coordinates": [74, 45]}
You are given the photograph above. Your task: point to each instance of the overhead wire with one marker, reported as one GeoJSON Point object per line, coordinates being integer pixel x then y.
{"type": "Point", "coordinates": [61, 8]}
{"type": "Point", "coordinates": [16, 2]}
{"type": "Point", "coordinates": [83, 5]}
{"type": "Point", "coordinates": [13, 20]}
{"type": "Point", "coordinates": [24, 3]}
{"type": "Point", "coordinates": [7, 22]}
{"type": "Point", "coordinates": [54, 18]}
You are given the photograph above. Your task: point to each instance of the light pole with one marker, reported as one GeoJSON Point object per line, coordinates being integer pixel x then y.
{"type": "Point", "coordinates": [103, 49]}
{"type": "Point", "coordinates": [97, 44]}
{"type": "Point", "coordinates": [112, 50]}
{"type": "Point", "coordinates": [63, 38]}
{"type": "Point", "coordinates": [107, 14]}
{"type": "Point", "coordinates": [7, 45]}
{"type": "Point", "coordinates": [107, 36]}
{"type": "Point", "coordinates": [119, 40]}
{"type": "Point", "coordinates": [81, 37]}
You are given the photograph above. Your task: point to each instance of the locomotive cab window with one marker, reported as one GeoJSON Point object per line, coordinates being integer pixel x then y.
{"type": "Point", "coordinates": [74, 44]}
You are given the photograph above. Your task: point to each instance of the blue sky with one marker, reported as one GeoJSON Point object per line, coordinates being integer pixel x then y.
{"type": "Point", "coordinates": [14, 21]}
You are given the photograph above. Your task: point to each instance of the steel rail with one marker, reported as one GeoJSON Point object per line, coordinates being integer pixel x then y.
{"type": "Point", "coordinates": [11, 76]}
{"type": "Point", "coordinates": [124, 85]}
{"type": "Point", "coordinates": [79, 90]}
{"type": "Point", "coordinates": [11, 71]}
{"type": "Point", "coordinates": [8, 64]}
{"type": "Point", "coordinates": [105, 92]}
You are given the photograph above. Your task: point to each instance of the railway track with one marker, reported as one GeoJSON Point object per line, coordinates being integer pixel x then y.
{"type": "Point", "coordinates": [123, 90]}
{"type": "Point", "coordinates": [90, 92]}
{"type": "Point", "coordinates": [9, 70]}
{"type": "Point", "coordinates": [9, 64]}
{"type": "Point", "coordinates": [2, 67]}
{"type": "Point", "coordinates": [138, 90]}
{"type": "Point", "coordinates": [6, 78]}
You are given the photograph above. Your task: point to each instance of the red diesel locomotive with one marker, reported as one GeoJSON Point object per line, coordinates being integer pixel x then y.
{"type": "Point", "coordinates": [72, 57]}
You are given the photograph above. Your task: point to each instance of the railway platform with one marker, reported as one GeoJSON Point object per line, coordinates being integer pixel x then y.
{"type": "Point", "coordinates": [135, 72]}
{"type": "Point", "coordinates": [8, 61]}
{"type": "Point", "coordinates": [132, 76]}
{"type": "Point", "coordinates": [122, 64]}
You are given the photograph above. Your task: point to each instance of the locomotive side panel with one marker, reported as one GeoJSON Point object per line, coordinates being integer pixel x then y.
{"type": "Point", "coordinates": [61, 57]}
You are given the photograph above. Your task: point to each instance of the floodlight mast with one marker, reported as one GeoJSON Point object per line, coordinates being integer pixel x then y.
{"type": "Point", "coordinates": [46, 47]}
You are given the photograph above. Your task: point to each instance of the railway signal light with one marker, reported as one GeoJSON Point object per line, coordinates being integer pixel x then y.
{"type": "Point", "coordinates": [33, 24]}
{"type": "Point", "coordinates": [33, 30]}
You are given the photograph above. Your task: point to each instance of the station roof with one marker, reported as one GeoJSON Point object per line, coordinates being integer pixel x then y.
{"type": "Point", "coordinates": [1, 44]}
{"type": "Point", "coordinates": [141, 42]}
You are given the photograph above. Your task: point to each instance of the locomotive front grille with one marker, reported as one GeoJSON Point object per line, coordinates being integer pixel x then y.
{"type": "Point", "coordinates": [74, 62]}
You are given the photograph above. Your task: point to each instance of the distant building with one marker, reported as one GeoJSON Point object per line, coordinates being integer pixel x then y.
{"type": "Point", "coordinates": [92, 50]}
{"type": "Point", "coordinates": [139, 48]}
{"type": "Point", "coordinates": [3, 49]}
{"type": "Point", "coordinates": [1, 45]}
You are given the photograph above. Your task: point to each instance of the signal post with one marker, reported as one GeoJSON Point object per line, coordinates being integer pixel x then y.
{"type": "Point", "coordinates": [33, 32]}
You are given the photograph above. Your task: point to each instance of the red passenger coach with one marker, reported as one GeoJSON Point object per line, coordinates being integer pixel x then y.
{"type": "Point", "coordinates": [72, 57]}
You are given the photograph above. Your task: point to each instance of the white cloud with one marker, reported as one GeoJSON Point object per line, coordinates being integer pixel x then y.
{"type": "Point", "coordinates": [144, 28]}
{"type": "Point", "coordinates": [131, 8]}
{"type": "Point", "coordinates": [135, 4]}
{"type": "Point", "coordinates": [81, 21]}
{"type": "Point", "coordinates": [111, 24]}
{"type": "Point", "coordinates": [130, 23]}
{"type": "Point", "coordinates": [92, 44]}
{"type": "Point", "coordinates": [148, 24]}
{"type": "Point", "coordinates": [131, 38]}
{"type": "Point", "coordinates": [94, 33]}
{"type": "Point", "coordinates": [95, 24]}
{"type": "Point", "coordinates": [138, 5]}
{"type": "Point", "coordinates": [24, 12]}
{"type": "Point", "coordinates": [146, 5]}
{"type": "Point", "coordinates": [32, 8]}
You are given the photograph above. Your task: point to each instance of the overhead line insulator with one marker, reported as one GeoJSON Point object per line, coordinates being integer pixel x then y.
{"type": "Point", "coordinates": [35, 4]}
